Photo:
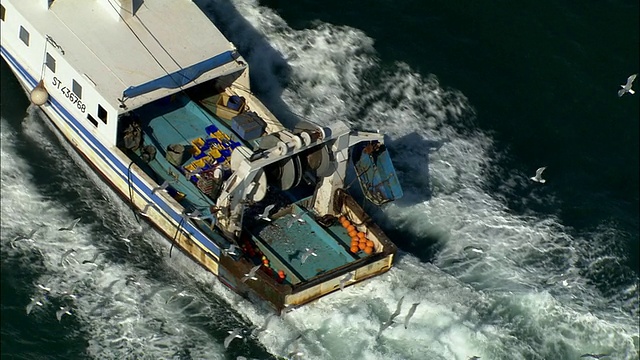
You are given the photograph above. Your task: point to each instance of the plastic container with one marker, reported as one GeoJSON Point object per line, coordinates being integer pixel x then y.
{"type": "Point", "coordinates": [211, 129]}
{"type": "Point", "coordinates": [235, 102]}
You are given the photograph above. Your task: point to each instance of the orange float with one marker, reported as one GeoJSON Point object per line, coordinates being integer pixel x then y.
{"type": "Point", "coordinates": [351, 228]}
{"type": "Point", "coordinates": [369, 243]}
{"type": "Point", "coordinates": [368, 250]}
{"type": "Point", "coordinates": [342, 219]}
{"type": "Point", "coordinates": [353, 233]}
{"type": "Point", "coordinates": [354, 249]}
{"type": "Point", "coordinates": [362, 246]}
{"type": "Point", "coordinates": [346, 223]}
{"type": "Point", "coordinates": [361, 235]}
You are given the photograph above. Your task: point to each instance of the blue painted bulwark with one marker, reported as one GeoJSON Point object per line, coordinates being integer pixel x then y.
{"type": "Point", "coordinates": [182, 76]}
{"type": "Point", "coordinates": [376, 173]}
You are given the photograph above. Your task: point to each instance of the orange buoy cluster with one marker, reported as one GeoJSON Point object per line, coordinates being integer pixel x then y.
{"type": "Point", "coordinates": [359, 241]}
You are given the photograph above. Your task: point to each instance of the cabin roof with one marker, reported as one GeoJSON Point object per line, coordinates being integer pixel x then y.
{"type": "Point", "coordinates": [166, 43]}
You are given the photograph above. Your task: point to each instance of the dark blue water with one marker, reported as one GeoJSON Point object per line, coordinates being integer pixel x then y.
{"type": "Point", "coordinates": [473, 99]}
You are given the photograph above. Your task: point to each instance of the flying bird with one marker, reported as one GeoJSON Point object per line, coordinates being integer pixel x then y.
{"type": "Point", "coordinates": [93, 260]}
{"type": "Point", "coordinates": [144, 210]}
{"type": "Point", "coordinates": [595, 356]}
{"type": "Point", "coordinates": [251, 274]}
{"type": "Point", "coordinates": [344, 280]}
{"type": "Point", "coordinates": [162, 187]}
{"type": "Point", "coordinates": [63, 258]}
{"type": "Point", "coordinates": [63, 311]}
{"type": "Point", "coordinates": [410, 314]}
{"type": "Point", "coordinates": [231, 250]}
{"type": "Point", "coordinates": [265, 214]}
{"type": "Point", "coordinates": [626, 88]}
{"type": "Point", "coordinates": [71, 226]}
{"type": "Point", "coordinates": [388, 323]}
{"type": "Point", "coordinates": [256, 331]}
{"type": "Point", "coordinates": [307, 253]}
{"type": "Point", "coordinates": [538, 177]}
{"type": "Point", "coordinates": [474, 249]}
{"type": "Point", "coordinates": [27, 237]}
{"type": "Point", "coordinates": [235, 334]}
{"type": "Point", "coordinates": [397, 312]}
{"type": "Point", "coordinates": [293, 219]}
{"type": "Point", "coordinates": [38, 300]}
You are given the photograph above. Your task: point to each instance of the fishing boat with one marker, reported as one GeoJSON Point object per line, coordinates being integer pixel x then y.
{"type": "Point", "coordinates": [159, 104]}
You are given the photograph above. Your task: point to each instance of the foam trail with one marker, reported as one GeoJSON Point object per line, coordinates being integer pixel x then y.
{"type": "Point", "coordinates": [466, 310]}
{"type": "Point", "coordinates": [122, 320]}
{"type": "Point", "coordinates": [444, 164]}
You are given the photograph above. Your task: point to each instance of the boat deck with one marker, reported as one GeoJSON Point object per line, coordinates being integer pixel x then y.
{"type": "Point", "coordinates": [286, 239]}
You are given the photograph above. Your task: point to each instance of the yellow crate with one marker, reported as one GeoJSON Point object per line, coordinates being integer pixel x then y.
{"type": "Point", "coordinates": [198, 143]}
{"type": "Point", "coordinates": [220, 135]}
{"type": "Point", "coordinates": [199, 163]}
{"type": "Point", "coordinates": [214, 153]}
{"type": "Point", "coordinates": [190, 167]}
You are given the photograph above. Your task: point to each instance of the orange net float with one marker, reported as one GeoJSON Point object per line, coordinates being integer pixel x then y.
{"type": "Point", "coordinates": [353, 233]}
{"type": "Point", "coordinates": [351, 228]}
{"type": "Point", "coordinates": [355, 249]}
{"type": "Point", "coordinates": [370, 243]}
{"type": "Point", "coordinates": [342, 219]}
{"type": "Point", "coordinates": [362, 246]}
{"type": "Point", "coordinates": [368, 250]}
{"type": "Point", "coordinates": [361, 235]}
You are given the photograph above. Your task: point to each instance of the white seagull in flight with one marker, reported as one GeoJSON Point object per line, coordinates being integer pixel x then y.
{"type": "Point", "coordinates": [626, 88]}
{"type": "Point", "coordinates": [538, 177]}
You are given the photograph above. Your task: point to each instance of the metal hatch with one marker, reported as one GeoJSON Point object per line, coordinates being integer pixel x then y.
{"type": "Point", "coordinates": [375, 172]}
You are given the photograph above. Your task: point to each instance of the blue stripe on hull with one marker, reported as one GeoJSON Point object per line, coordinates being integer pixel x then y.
{"type": "Point", "coordinates": [111, 160]}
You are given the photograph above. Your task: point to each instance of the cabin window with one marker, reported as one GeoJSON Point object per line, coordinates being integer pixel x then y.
{"type": "Point", "coordinates": [92, 120]}
{"type": "Point", "coordinates": [24, 36]}
{"type": "Point", "coordinates": [51, 62]}
{"type": "Point", "coordinates": [102, 114]}
{"type": "Point", "coordinates": [77, 89]}
{"type": "Point", "coordinates": [2, 12]}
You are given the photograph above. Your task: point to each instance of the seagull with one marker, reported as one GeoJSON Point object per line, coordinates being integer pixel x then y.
{"type": "Point", "coordinates": [143, 212]}
{"type": "Point", "coordinates": [265, 215]}
{"type": "Point", "coordinates": [397, 312]}
{"type": "Point", "coordinates": [384, 326]}
{"type": "Point", "coordinates": [47, 289]}
{"type": "Point", "coordinates": [344, 280]}
{"type": "Point", "coordinates": [63, 258]}
{"type": "Point", "coordinates": [38, 300]}
{"type": "Point", "coordinates": [390, 322]}
{"type": "Point", "coordinates": [295, 218]}
{"type": "Point", "coordinates": [256, 331]}
{"type": "Point", "coordinates": [251, 274]}
{"type": "Point", "coordinates": [626, 88]}
{"type": "Point", "coordinates": [410, 314]}
{"type": "Point", "coordinates": [308, 253]}
{"type": "Point", "coordinates": [162, 187]}
{"type": "Point", "coordinates": [63, 310]}
{"type": "Point", "coordinates": [93, 260]}
{"type": "Point", "coordinates": [538, 177]}
{"type": "Point", "coordinates": [473, 248]}
{"type": "Point", "coordinates": [232, 335]}
{"type": "Point", "coordinates": [231, 250]}
{"type": "Point", "coordinates": [71, 226]}
{"type": "Point", "coordinates": [597, 356]}
{"type": "Point", "coordinates": [190, 174]}
{"type": "Point", "coordinates": [296, 353]}
{"type": "Point", "coordinates": [28, 237]}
